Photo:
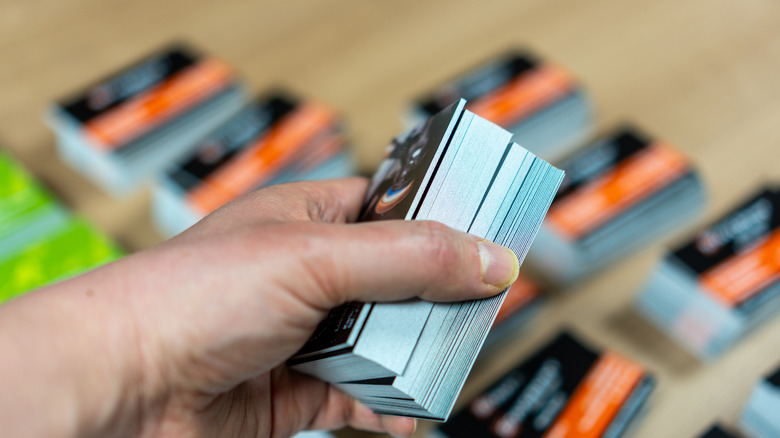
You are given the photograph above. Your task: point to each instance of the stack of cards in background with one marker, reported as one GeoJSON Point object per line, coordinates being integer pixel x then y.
{"type": "Point", "coordinates": [275, 138]}
{"type": "Point", "coordinates": [40, 242]}
{"type": "Point", "coordinates": [566, 389]}
{"type": "Point", "coordinates": [133, 124]}
{"type": "Point", "coordinates": [619, 193]}
{"type": "Point", "coordinates": [717, 431]}
{"type": "Point", "coordinates": [761, 416]}
{"type": "Point", "coordinates": [536, 100]}
{"type": "Point", "coordinates": [522, 302]}
{"type": "Point", "coordinates": [412, 358]}
{"type": "Point", "coordinates": [713, 289]}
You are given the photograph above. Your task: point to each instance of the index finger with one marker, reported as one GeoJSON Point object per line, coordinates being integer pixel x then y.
{"type": "Point", "coordinates": [330, 201]}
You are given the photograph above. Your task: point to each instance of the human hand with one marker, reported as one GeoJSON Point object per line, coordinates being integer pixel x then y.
{"type": "Point", "coordinates": [190, 338]}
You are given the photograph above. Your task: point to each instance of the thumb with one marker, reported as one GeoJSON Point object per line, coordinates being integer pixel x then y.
{"type": "Point", "coordinates": [396, 260]}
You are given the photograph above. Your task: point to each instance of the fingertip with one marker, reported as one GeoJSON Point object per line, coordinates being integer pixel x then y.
{"type": "Point", "coordinates": [356, 184]}
{"type": "Point", "coordinates": [350, 192]}
{"type": "Point", "coordinates": [399, 427]}
{"type": "Point", "coordinates": [499, 265]}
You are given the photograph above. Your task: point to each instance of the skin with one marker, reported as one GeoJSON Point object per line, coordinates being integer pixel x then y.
{"type": "Point", "coordinates": [190, 338]}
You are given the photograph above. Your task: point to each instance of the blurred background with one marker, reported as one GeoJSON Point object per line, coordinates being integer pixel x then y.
{"type": "Point", "coordinates": [701, 74]}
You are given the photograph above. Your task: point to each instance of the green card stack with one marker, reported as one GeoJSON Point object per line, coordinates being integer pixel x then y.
{"type": "Point", "coordinates": [40, 241]}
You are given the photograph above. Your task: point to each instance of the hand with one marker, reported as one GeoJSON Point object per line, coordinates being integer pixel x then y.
{"type": "Point", "coordinates": [190, 339]}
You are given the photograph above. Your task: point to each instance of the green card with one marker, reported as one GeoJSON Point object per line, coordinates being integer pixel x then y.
{"type": "Point", "coordinates": [40, 242]}
{"type": "Point", "coordinates": [26, 209]}
{"type": "Point", "coordinates": [69, 251]}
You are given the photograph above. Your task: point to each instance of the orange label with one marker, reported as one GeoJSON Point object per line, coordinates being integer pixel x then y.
{"type": "Point", "coordinates": [522, 291]}
{"type": "Point", "coordinates": [598, 398]}
{"type": "Point", "coordinates": [139, 115]}
{"type": "Point", "coordinates": [261, 160]}
{"type": "Point", "coordinates": [743, 275]}
{"type": "Point", "coordinates": [625, 185]}
{"type": "Point", "coordinates": [523, 95]}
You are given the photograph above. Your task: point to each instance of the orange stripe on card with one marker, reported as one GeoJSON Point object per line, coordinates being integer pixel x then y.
{"type": "Point", "coordinates": [743, 275]}
{"type": "Point", "coordinates": [523, 95]}
{"type": "Point", "coordinates": [598, 398]}
{"type": "Point", "coordinates": [142, 113]}
{"type": "Point", "coordinates": [617, 190]}
{"type": "Point", "coordinates": [264, 158]}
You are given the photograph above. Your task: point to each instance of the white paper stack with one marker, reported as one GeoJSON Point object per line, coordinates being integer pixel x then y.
{"type": "Point", "coordinates": [276, 138]}
{"type": "Point", "coordinates": [621, 192]}
{"type": "Point", "coordinates": [761, 416]}
{"type": "Point", "coordinates": [713, 289]}
{"type": "Point", "coordinates": [539, 102]}
{"type": "Point", "coordinates": [412, 358]}
{"type": "Point", "coordinates": [130, 126]}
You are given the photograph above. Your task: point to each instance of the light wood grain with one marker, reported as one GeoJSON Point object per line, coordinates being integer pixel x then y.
{"type": "Point", "coordinates": [702, 74]}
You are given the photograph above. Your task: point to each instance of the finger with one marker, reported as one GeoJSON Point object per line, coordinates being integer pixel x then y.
{"type": "Point", "coordinates": [340, 410]}
{"type": "Point", "coordinates": [307, 403]}
{"type": "Point", "coordinates": [399, 426]}
{"type": "Point", "coordinates": [335, 201]}
{"type": "Point", "coordinates": [329, 201]}
{"type": "Point", "coordinates": [395, 260]}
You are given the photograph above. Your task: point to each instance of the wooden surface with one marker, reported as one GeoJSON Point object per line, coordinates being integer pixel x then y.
{"type": "Point", "coordinates": [703, 74]}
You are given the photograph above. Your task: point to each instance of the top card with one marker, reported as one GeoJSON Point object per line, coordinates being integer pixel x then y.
{"type": "Point", "coordinates": [400, 183]}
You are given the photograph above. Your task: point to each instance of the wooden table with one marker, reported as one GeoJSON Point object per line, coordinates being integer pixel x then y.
{"type": "Point", "coordinates": [703, 74]}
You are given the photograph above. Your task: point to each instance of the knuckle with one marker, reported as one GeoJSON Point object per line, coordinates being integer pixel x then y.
{"type": "Point", "coordinates": [315, 201]}
{"type": "Point", "coordinates": [440, 246]}
{"type": "Point", "coordinates": [327, 275]}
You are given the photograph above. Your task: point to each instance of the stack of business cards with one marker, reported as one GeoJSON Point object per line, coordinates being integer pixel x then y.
{"type": "Point", "coordinates": [411, 358]}
{"type": "Point", "coordinates": [275, 138]}
{"type": "Point", "coordinates": [713, 289]}
{"type": "Point", "coordinates": [566, 389]}
{"type": "Point", "coordinates": [40, 242]}
{"type": "Point", "coordinates": [620, 192]}
{"type": "Point", "coordinates": [133, 124]}
{"type": "Point", "coordinates": [61, 253]}
{"type": "Point", "coordinates": [761, 416]}
{"type": "Point", "coordinates": [718, 431]}
{"type": "Point", "coordinates": [536, 100]}
{"type": "Point", "coordinates": [26, 209]}
{"type": "Point", "coordinates": [314, 434]}
{"type": "Point", "coordinates": [523, 300]}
